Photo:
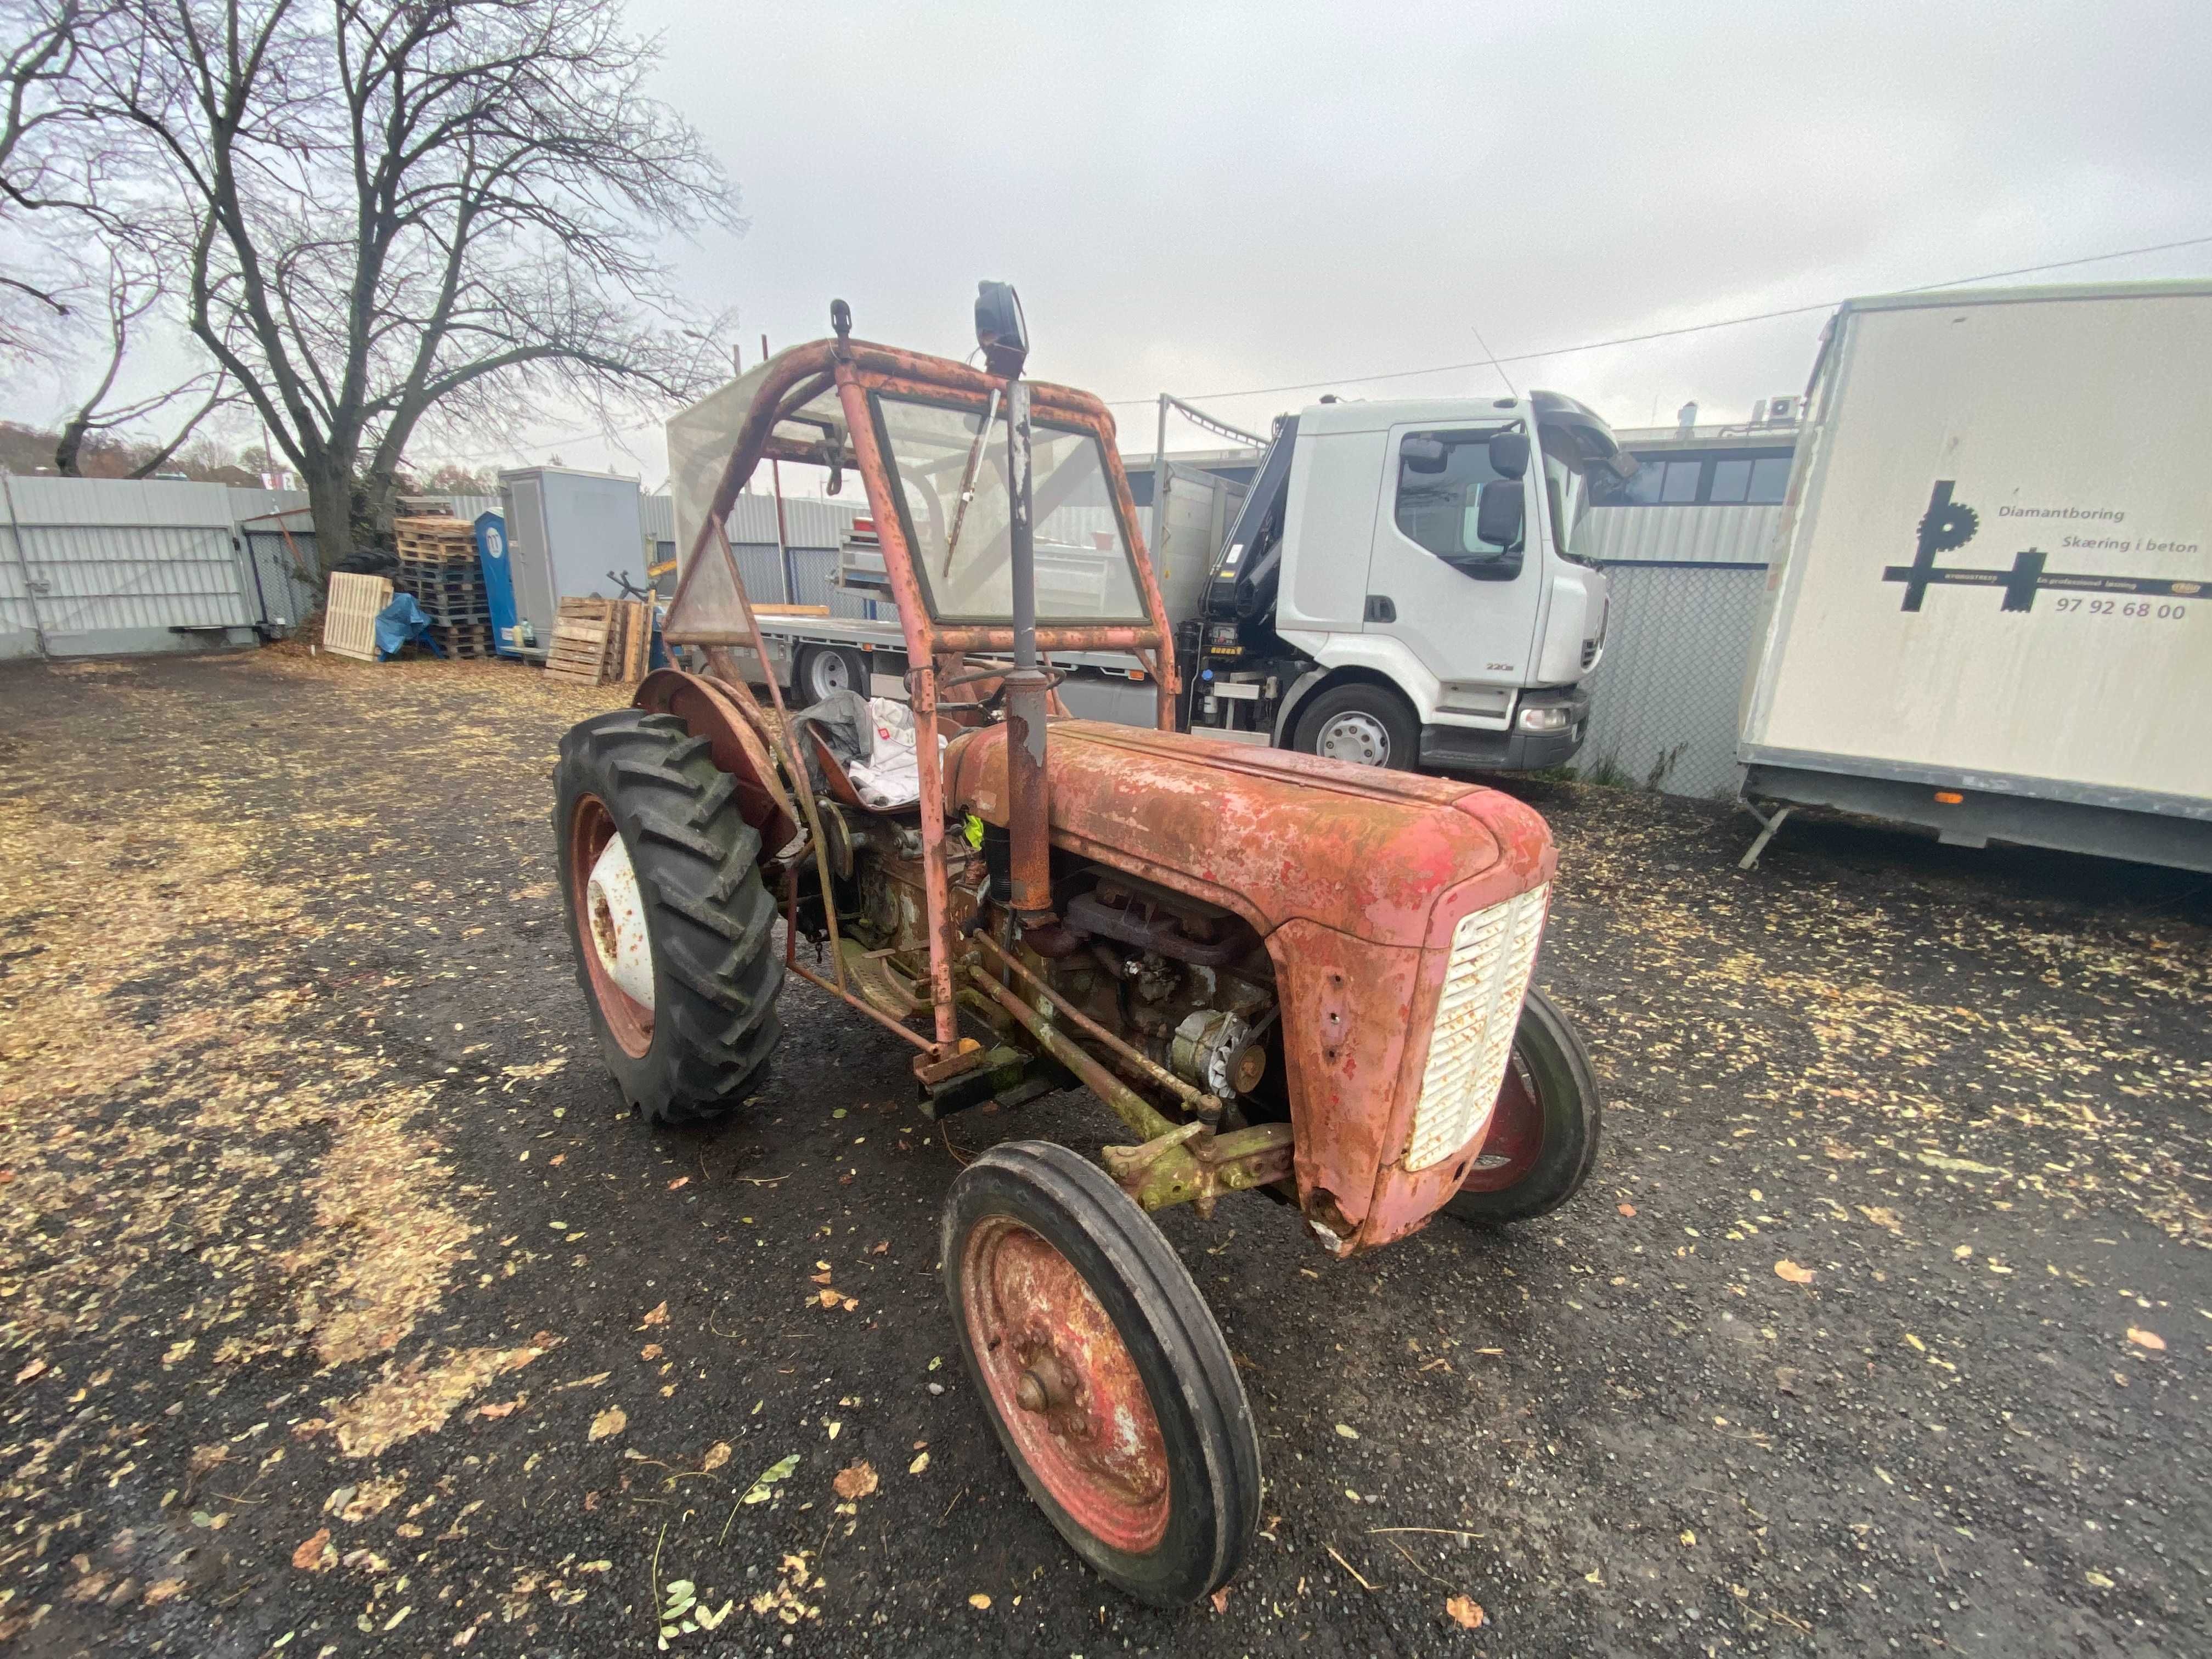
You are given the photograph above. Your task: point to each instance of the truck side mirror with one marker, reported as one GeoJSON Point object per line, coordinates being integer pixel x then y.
{"type": "Point", "coordinates": [1499, 511]}
{"type": "Point", "coordinates": [1509, 454]}
{"type": "Point", "coordinates": [1424, 454]}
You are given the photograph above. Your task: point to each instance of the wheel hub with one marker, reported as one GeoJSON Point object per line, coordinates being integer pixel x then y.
{"type": "Point", "coordinates": [1355, 737]}
{"type": "Point", "coordinates": [617, 917]}
{"type": "Point", "coordinates": [1066, 1385]}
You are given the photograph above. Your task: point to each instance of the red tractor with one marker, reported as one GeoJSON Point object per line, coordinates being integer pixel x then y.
{"type": "Point", "coordinates": [1284, 974]}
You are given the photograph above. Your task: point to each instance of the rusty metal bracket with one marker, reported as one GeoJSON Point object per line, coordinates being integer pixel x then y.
{"type": "Point", "coordinates": [1192, 1165]}
{"type": "Point", "coordinates": [969, 1056]}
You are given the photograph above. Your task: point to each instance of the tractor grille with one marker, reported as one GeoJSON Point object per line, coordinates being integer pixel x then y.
{"type": "Point", "coordinates": [1493, 952]}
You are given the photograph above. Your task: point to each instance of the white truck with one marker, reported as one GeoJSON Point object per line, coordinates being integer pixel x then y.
{"type": "Point", "coordinates": [1989, 607]}
{"type": "Point", "coordinates": [1397, 587]}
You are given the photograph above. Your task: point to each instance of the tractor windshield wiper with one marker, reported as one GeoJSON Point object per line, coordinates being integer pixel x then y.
{"type": "Point", "coordinates": [967, 481]}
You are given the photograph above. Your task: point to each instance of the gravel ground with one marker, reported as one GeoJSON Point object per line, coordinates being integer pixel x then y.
{"type": "Point", "coordinates": [347, 1314]}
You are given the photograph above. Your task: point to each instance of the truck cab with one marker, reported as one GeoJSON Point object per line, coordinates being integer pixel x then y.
{"type": "Point", "coordinates": [1401, 586]}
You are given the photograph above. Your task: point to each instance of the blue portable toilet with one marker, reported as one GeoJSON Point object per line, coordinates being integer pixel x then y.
{"type": "Point", "coordinates": [499, 581]}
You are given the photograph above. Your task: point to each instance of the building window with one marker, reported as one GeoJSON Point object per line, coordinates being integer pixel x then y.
{"type": "Point", "coordinates": [1674, 479]}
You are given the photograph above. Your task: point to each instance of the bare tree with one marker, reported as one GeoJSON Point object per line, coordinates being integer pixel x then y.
{"type": "Point", "coordinates": [42, 47]}
{"type": "Point", "coordinates": [426, 210]}
{"type": "Point", "coordinates": [132, 297]}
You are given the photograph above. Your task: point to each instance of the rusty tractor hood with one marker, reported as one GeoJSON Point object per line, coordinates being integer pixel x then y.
{"type": "Point", "coordinates": [1272, 835]}
{"type": "Point", "coordinates": [1354, 878]}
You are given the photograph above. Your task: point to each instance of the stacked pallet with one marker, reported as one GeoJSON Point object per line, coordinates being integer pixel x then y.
{"type": "Point", "coordinates": [596, 641]}
{"type": "Point", "coordinates": [438, 565]}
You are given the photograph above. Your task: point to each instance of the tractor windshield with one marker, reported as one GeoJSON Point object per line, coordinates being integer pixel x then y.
{"type": "Point", "coordinates": [950, 469]}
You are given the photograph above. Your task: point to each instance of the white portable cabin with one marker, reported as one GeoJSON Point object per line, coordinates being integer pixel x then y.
{"type": "Point", "coordinates": [1989, 607]}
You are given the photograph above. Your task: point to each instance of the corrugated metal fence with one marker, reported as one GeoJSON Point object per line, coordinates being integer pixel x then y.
{"type": "Point", "coordinates": [1687, 584]}
{"type": "Point", "coordinates": [97, 566]}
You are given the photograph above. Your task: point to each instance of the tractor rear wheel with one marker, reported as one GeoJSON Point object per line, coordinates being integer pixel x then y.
{"type": "Point", "coordinates": [1104, 1372]}
{"type": "Point", "coordinates": [1543, 1134]}
{"type": "Point", "coordinates": [669, 924]}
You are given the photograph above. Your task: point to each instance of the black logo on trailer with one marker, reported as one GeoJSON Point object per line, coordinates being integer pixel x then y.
{"type": "Point", "coordinates": [1949, 525]}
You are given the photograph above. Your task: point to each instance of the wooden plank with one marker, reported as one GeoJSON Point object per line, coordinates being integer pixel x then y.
{"type": "Point", "coordinates": [791, 610]}
{"type": "Point", "coordinates": [638, 646]}
{"type": "Point", "coordinates": [350, 615]}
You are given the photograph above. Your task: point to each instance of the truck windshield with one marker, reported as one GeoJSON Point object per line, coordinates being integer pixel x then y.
{"type": "Point", "coordinates": [1568, 491]}
{"type": "Point", "coordinates": [962, 553]}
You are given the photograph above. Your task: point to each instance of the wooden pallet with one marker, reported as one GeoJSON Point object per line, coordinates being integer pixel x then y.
{"type": "Point", "coordinates": [438, 539]}
{"type": "Point", "coordinates": [595, 640]}
{"type": "Point", "coordinates": [350, 615]}
{"type": "Point", "coordinates": [468, 642]}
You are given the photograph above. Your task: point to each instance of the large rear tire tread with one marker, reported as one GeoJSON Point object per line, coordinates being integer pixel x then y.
{"type": "Point", "coordinates": [1565, 1086]}
{"type": "Point", "coordinates": [1213, 1445]}
{"type": "Point", "coordinates": [716, 975]}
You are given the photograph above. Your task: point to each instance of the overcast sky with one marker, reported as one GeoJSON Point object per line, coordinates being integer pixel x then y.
{"type": "Point", "coordinates": [1203, 198]}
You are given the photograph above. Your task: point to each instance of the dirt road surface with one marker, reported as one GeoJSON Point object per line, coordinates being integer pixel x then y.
{"type": "Point", "coordinates": [346, 1314]}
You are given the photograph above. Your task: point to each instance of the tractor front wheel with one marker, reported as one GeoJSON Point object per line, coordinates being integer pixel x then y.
{"type": "Point", "coordinates": [1104, 1372]}
{"type": "Point", "coordinates": [669, 924]}
{"type": "Point", "coordinates": [1543, 1134]}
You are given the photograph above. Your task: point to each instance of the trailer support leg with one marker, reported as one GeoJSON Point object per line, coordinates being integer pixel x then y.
{"type": "Point", "coordinates": [1767, 828]}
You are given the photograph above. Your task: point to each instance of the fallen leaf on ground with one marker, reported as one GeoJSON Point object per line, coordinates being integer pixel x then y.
{"type": "Point", "coordinates": [657, 1316]}
{"type": "Point", "coordinates": [717, 1455]}
{"type": "Point", "coordinates": [680, 1180]}
{"type": "Point", "coordinates": [759, 1492]}
{"type": "Point", "coordinates": [309, 1557]}
{"type": "Point", "coordinates": [1785, 1378]}
{"type": "Point", "coordinates": [1689, 1538]}
{"type": "Point", "coordinates": [1220, 1599]}
{"type": "Point", "coordinates": [2096, 1580]}
{"type": "Point", "coordinates": [829, 1298]}
{"type": "Point", "coordinates": [157, 1594]}
{"type": "Point", "coordinates": [1789, 1270]}
{"type": "Point", "coordinates": [2150, 1339]}
{"type": "Point", "coordinates": [1464, 1613]}
{"type": "Point", "coordinates": [613, 1421]}
{"type": "Point", "coordinates": [855, 1480]}
{"type": "Point", "coordinates": [1347, 1432]}
{"type": "Point", "coordinates": [981, 1603]}
{"type": "Point", "coordinates": [1625, 1209]}
{"type": "Point", "coordinates": [30, 1370]}
{"type": "Point", "coordinates": [919, 1464]}
{"type": "Point", "coordinates": [1880, 1216]}
{"type": "Point", "coordinates": [650, 1351]}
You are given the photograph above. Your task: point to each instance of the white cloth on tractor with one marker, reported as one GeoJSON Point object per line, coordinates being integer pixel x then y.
{"type": "Point", "coordinates": [873, 741]}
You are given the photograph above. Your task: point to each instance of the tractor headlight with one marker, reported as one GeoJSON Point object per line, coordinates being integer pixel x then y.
{"type": "Point", "coordinates": [1545, 718]}
{"type": "Point", "coordinates": [1492, 952]}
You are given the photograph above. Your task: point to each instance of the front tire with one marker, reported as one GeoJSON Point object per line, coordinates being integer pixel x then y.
{"type": "Point", "coordinates": [1102, 1371]}
{"type": "Point", "coordinates": [671, 928]}
{"type": "Point", "coordinates": [1543, 1138]}
{"type": "Point", "coordinates": [1361, 724]}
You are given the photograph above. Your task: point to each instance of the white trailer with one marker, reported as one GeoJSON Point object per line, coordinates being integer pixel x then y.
{"type": "Point", "coordinates": [1990, 608]}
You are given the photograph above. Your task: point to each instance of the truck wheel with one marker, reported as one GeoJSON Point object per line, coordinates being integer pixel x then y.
{"type": "Point", "coordinates": [828, 668]}
{"type": "Point", "coordinates": [1104, 1372]}
{"type": "Point", "coordinates": [669, 924]}
{"type": "Point", "coordinates": [1543, 1136]}
{"type": "Point", "coordinates": [1363, 724]}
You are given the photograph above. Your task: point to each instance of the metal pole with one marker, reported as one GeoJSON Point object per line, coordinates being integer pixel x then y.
{"type": "Point", "coordinates": [782, 538]}
{"type": "Point", "coordinates": [1160, 479]}
{"type": "Point", "coordinates": [1028, 812]}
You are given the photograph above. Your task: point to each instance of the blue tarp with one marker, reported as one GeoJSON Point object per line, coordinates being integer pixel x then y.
{"type": "Point", "coordinates": [401, 623]}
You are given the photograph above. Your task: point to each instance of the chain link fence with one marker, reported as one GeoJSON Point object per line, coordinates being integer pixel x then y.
{"type": "Point", "coordinates": [1665, 697]}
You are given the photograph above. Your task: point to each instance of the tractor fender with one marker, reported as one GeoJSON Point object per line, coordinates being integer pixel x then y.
{"type": "Point", "coordinates": [739, 745]}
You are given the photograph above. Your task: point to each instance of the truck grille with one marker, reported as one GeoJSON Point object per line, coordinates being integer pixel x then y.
{"type": "Point", "coordinates": [1492, 952]}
